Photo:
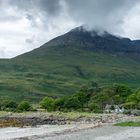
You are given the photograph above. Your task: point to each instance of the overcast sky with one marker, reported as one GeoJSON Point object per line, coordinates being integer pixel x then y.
{"type": "Point", "coordinates": [27, 24]}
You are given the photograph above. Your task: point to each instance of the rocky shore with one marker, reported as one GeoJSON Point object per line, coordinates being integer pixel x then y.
{"type": "Point", "coordinates": [34, 119]}
{"type": "Point", "coordinates": [68, 126]}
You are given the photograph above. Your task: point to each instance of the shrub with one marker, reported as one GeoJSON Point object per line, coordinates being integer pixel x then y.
{"type": "Point", "coordinates": [24, 106]}
{"type": "Point", "coordinates": [47, 103]}
{"type": "Point", "coordinates": [8, 105]}
{"type": "Point", "coordinates": [59, 104]}
{"type": "Point", "coordinates": [135, 98]}
{"type": "Point", "coordinates": [72, 103]}
{"type": "Point", "coordinates": [95, 108]}
{"type": "Point", "coordinates": [11, 104]}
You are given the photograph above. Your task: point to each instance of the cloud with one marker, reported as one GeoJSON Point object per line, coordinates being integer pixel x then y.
{"type": "Point", "coordinates": [27, 24]}
{"type": "Point", "coordinates": [51, 7]}
{"type": "Point", "coordinates": [3, 51]}
{"type": "Point", "coordinates": [103, 14]}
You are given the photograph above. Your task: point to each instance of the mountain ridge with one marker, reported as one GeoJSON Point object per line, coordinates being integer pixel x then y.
{"type": "Point", "coordinates": [64, 64]}
{"type": "Point", "coordinates": [93, 40]}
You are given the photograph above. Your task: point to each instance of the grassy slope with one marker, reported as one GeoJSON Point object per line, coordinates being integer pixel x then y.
{"type": "Point", "coordinates": [62, 72]}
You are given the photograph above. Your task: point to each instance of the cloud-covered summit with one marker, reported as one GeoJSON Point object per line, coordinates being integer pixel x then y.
{"type": "Point", "coordinates": [26, 24]}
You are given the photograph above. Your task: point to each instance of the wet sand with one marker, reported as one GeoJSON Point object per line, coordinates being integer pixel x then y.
{"type": "Point", "coordinates": [71, 132]}
{"type": "Point", "coordinates": [101, 133]}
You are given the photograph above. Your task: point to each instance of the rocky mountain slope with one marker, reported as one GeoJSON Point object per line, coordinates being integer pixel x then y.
{"type": "Point", "coordinates": [62, 65]}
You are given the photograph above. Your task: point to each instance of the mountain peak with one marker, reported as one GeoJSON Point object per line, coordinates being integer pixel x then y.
{"type": "Point", "coordinates": [79, 29]}
{"type": "Point", "coordinates": [83, 39]}
{"type": "Point", "coordinates": [93, 32]}
{"type": "Point", "coordinates": [86, 29]}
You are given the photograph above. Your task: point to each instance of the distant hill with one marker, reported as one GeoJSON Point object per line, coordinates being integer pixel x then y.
{"type": "Point", "coordinates": [62, 65]}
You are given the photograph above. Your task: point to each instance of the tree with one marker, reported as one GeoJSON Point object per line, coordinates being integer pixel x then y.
{"type": "Point", "coordinates": [95, 108]}
{"type": "Point", "coordinates": [8, 105]}
{"type": "Point", "coordinates": [24, 106]}
{"type": "Point", "coordinates": [11, 104]}
{"type": "Point", "coordinates": [123, 90]}
{"type": "Point", "coordinates": [86, 93]}
{"type": "Point", "coordinates": [104, 97]}
{"type": "Point", "coordinates": [117, 99]}
{"type": "Point", "coordinates": [135, 98]}
{"type": "Point", "coordinates": [72, 103]}
{"type": "Point", "coordinates": [82, 98]}
{"type": "Point", "coordinates": [59, 103]}
{"type": "Point", "coordinates": [47, 103]}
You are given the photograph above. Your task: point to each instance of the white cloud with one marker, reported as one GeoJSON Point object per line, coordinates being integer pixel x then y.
{"type": "Point", "coordinates": [27, 24]}
{"type": "Point", "coordinates": [27, 33]}
{"type": "Point", "coordinates": [131, 24]}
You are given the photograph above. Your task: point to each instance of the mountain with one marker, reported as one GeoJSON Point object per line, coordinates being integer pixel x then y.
{"type": "Point", "coordinates": [88, 40]}
{"type": "Point", "coordinates": [62, 65]}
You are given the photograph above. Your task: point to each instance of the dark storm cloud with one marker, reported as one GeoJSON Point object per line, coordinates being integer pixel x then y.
{"type": "Point", "coordinates": [51, 7]}
{"type": "Point", "coordinates": [33, 9]}
{"type": "Point", "coordinates": [103, 14]}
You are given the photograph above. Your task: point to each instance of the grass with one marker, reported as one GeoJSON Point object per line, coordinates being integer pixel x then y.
{"type": "Point", "coordinates": [63, 72]}
{"type": "Point", "coordinates": [130, 123]}
{"type": "Point", "coordinates": [2, 113]}
{"type": "Point", "coordinates": [72, 115]}
{"type": "Point", "coordinates": [68, 115]}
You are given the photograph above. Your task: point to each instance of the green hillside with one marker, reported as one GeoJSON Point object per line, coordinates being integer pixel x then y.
{"type": "Point", "coordinates": [61, 66]}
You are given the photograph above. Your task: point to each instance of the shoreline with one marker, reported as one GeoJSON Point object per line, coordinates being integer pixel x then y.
{"type": "Point", "coordinates": [34, 119]}
{"type": "Point", "coordinates": [73, 129]}
{"type": "Point", "coordinates": [39, 126]}
{"type": "Point", "coordinates": [73, 132]}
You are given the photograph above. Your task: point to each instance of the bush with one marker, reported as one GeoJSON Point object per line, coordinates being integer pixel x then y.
{"type": "Point", "coordinates": [11, 104]}
{"type": "Point", "coordinates": [24, 106]}
{"type": "Point", "coordinates": [59, 104]}
{"type": "Point", "coordinates": [95, 108]}
{"type": "Point", "coordinates": [47, 103]}
{"type": "Point", "coordinates": [135, 98]}
{"type": "Point", "coordinates": [8, 105]}
{"type": "Point", "coordinates": [72, 103]}
{"type": "Point", "coordinates": [123, 90]}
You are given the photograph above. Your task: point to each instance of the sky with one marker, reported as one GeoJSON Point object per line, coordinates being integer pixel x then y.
{"type": "Point", "coordinates": [27, 24]}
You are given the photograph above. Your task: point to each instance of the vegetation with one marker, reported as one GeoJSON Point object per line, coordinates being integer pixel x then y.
{"type": "Point", "coordinates": [24, 106]}
{"type": "Point", "coordinates": [131, 123]}
{"type": "Point", "coordinates": [90, 98]}
{"type": "Point", "coordinates": [62, 65]}
{"type": "Point", "coordinates": [133, 100]}
{"type": "Point", "coordinates": [47, 103]}
{"type": "Point", "coordinates": [60, 71]}
{"type": "Point", "coordinates": [8, 105]}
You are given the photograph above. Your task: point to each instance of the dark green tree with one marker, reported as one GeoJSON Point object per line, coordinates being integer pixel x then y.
{"type": "Point", "coordinates": [82, 98]}
{"type": "Point", "coordinates": [47, 103]}
{"type": "Point", "coordinates": [72, 103]}
{"type": "Point", "coordinates": [95, 108]}
{"type": "Point", "coordinates": [24, 106]}
{"type": "Point", "coordinates": [11, 104]}
{"type": "Point", "coordinates": [59, 103]}
{"type": "Point", "coordinates": [135, 99]}
{"type": "Point", "coordinates": [123, 90]}
{"type": "Point", "coordinates": [8, 105]}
